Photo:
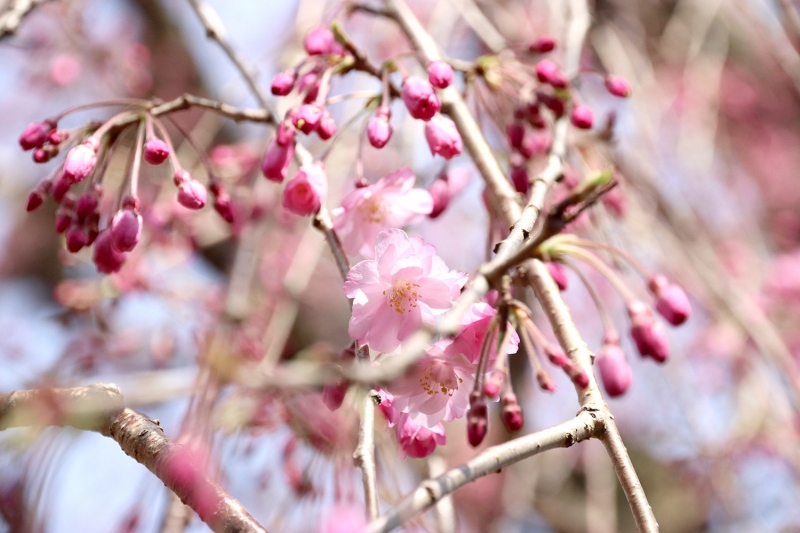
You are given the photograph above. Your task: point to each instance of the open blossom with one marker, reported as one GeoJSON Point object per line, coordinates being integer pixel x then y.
{"type": "Point", "coordinates": [437, 388]}
{"type": "Point", "coordinates": [405, 286]}
{"type": "Point", "coordinates": [475, 324]}
{"type": "Point", "coordinates": [415, 439]}
{"type": "Point", "coordinates": [390, 203]}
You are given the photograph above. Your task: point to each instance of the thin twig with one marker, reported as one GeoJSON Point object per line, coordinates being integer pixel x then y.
{"type": "Point", "coordinates": [100, 408]}
{"type": "Point", "coordinates": [364, 454]}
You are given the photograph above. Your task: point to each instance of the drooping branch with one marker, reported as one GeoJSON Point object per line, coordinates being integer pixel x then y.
{"type": "Point", "coordinates": [100, 408]}
{"type": "Point", "coordinates": [491, 460]}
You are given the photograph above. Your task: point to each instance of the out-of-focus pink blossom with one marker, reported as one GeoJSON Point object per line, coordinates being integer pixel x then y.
{"type": "Point", "coordinates": [392, 202]}
{"type": "Point", "coordinates": [65, 69]}
{"type": "Point", "coordinates": [156, 151]}
{"type": "Point", "coordinates": [305, 192]}
{"type": "Point", "coordinates": [277, 160]}
{"type": "Point", "coordinates": [318, 41]}
{"type": "Point", "coordinates": [443, 137]}
{"type": "Point", "coordinates": [440, 74]}
{"type": "Point", "coordinates": [671, 300]}
{"type": "Point", "coordinates": [420, 98]}
{"type": "Point", "coordinates": [405, 286]}
{"type": "Point", "coordinates": [520, 179]}
{"type": "Point", "coordinates": [105, 257]}
{"type": "Point", "coordinates": [615, 372]}
{"type": "Point", "coordinates": [559, 274]}
{"type": "Point", "coordinates": [223, 205]}
{"type": "Point", "coordinates": [379, 129]}
{"type": "Point", "coordinates": [344, 518]}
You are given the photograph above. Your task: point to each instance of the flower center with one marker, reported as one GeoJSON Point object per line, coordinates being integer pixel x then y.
{"type": "Point", "coordinates": [372, 210]}
{"type": "Point", "coordinates": [403, 296]}
{"type": "Point", "coordinates": [439, 378]}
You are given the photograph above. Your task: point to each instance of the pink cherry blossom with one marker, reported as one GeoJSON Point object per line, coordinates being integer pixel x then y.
{"type": "Point", "coordinates": [344, 518]}
{"type": "Point", "coordinates": [437, 388]}
{"type": "Point", "coordinates": [475, 324]}
{"type": "Point", "coordinates": [390, 203]}
{"type": "Point", "coordinates": [405, 286]}
{"type": "Point", "coordinates": [415, 439]}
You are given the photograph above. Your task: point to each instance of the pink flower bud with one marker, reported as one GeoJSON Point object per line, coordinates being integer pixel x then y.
{"type": "Point", "coordinates": [556, 355]}
{"type": "Point", "coordinates": [542, 45]}
{"type": "Point", "coordinates": [318, 41]}
{"type": "Point", "coordinates": [649, 336]}
{"type": "Point", "coordinates": [40, 155]}
{"type": "Point", "coordinates": [156, 151]}
{"type": "Point", "coordinates": [61, 187]}
{"type": "Point", "coordinates": [304, 193]}
{"type": "Point", "coordinates": [615, 372]}
{"type": "Point", "coordinates": [126, 229]}
{"type": "Point", "coordinates": [310, 83]}
{"type": "Point", "coordinates": [544, 381]}
{"type": "Point", "coordinates": [327, 126]}
{"type": "Point", "coordinates": [520, 179]}
{"type": "Point", "coordinates": [477, 422]}
{"type": "Point", "coordinates": [420, 98]}
{"type": "Point", "coordinates": [81, 160]}
{"type": "Point", "coordinates": [57, 137]}
{"type": "Point", "coordinates": [554, 104]}
{"type": "Point", "coordinates": [618, 86]}
{"type": "Point", "coordinates": [277, 160]}
{"type": "Point", "coordinates": [333, 394]}
{"type": "Point", "coordinates": [512, 414]}
{"type": "Point", "coordinates": [443, 137]}
{"type": "Point", "coordinates": [192, 194]}
{"type": "Point", "coordinates": [285, 133]}
{"type": "Point", "coordinates": [515, 132]}
{"type": "Point", "coordinates": [63, 222]}
{"type": "Point", "coordinates": [379, 129]}
{"type": "Point", "coordinates": [559, 274]}
{"type": "Point", "coordinates": [35, 134]}
{"type": "Point", "coordinates": [87, 204]}
{"type": "Point", "coordinates": [581, 117]}
{"type": "Point", "coordinates": [224, 207]}
{"type": "Point", "coordinates": [307, 118]}
{"type": "Point", "coordinates": [534, 144]}
{"type": "Point", "coordinates": [76, 239]}
{"type": "Point", "coordinates": [440, 74]}
{"type": "Point", "coordinates": [546, 70]}
{"type": "Point", "coordinates": [672, 302]}
{"type": "Point", "coordinates": [440, 192]}
{"type": "Point", "coordinates": [105, 257]}
{"type": "Point", "coordinates": [35, 199]}
{"type": "Point", "coordinates": [493, 384]}
{"type": "Point", "coordinates": [283, 82]}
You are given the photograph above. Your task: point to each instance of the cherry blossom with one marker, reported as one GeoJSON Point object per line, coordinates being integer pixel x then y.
{"type": "Point", "coordinates": [475, 324]}
{"type": "Point", "coordinates": [405, 286]}
{"type": "Point", "coordinates": [390, 203]}
{"type": "Point", "coordinates": [437, 388]}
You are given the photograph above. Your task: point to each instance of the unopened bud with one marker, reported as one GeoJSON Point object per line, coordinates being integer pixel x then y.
{"type": "Point", "coordinates": [318, 41]}
{"type": "Point", "coordinates": [283, 82]}
{"type": "Point", "coordinates": [156, 151]}
{"type": "Point", "coordinates": [105, 257]}
{"type": "Point", "coordinates": [277, 160]}
{"type": "Point", "coordinates": [559, 274]}
{"type": "Point", "coordinates": [443, 137]}
{"type": "Point", "coordinates": [581, 117]}
{"type": "Point", "coordinates": [615, 372]}
{"type": "Point", "coordinates": [76, 239]}
{"type": "Point", "coordinates": [440, 74]}
{"type": "Point", "coordinates": [307, 118]}
{"type": "Point", "coordinates": [618, 86]}
{"type": "Point", "coordinates": [379, 129]}
{"type": "Point", "coordinates": [35, 134]}
{"type": "Point", "coordinates": [513, 419]}
{"type": "Point", "coordinates": [81, 160]}
{"type": "Point", "coordinates": [420, 98]}
{"type": "Point", "coordinates": [192, 194]}
{"type": "Point", "coordinates": [542, 45]}
{"type": "Point", "coordinates": [672, 302]}
{"type": "Point", "coordinates": [126, 229]}
{"type": "Point", "coordinates": [477, 421]}
{"type": "Point", "coordinates": [327, 126]}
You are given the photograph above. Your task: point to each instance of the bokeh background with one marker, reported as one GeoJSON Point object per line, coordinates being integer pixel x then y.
{"type": "Point", "coordinates": [707, 151]}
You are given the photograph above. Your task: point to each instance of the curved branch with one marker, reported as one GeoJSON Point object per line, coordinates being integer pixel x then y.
{"type": "Point", "coordinates": [100, 408]}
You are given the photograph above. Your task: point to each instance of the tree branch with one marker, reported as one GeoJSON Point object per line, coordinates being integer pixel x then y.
{"type": "Point", "coordinates": [12, 18]}
{"type": "Point", "coordinates": [364, 455]}
{"type": "Point", "coordinates": [490, 461]}
{"type": "Point", "coordinates": [100, 408]}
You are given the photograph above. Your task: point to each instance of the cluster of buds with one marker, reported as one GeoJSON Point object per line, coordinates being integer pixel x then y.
{"type": "Point", "coordinates": [648, 334]}
{"type": "Point", "coordinates": [77, 186]}
{"type": "Point", "coordinates": [423, 103]}
{"type": "Point", "coordinates": [528, 134]}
